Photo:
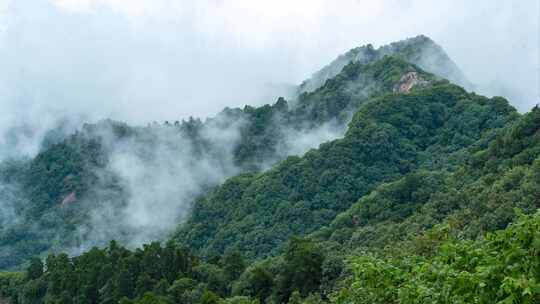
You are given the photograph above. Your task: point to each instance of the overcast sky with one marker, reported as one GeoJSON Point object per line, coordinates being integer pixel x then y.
{"type": "Point", "coordinates": [144, 60]}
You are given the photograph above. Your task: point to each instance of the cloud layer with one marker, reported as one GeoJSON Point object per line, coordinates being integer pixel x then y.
{"type": "Point", "coordinates": [143, 60]}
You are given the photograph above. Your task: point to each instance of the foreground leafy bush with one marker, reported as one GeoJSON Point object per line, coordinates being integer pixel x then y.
{"type": "Point", "coordinates": [504, 267]}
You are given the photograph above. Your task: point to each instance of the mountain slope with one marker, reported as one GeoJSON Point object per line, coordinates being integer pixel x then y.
{"type": "Point", "coordinates": [391, 237]}
{"type": "Point", "coordinates": [389, 137]}
{"type": "Point", "coordinates": [479, 196]}
{"type": "Point", "coordinates": [395, 211]}
{"type": "Point", "coordinates": [89, 187]}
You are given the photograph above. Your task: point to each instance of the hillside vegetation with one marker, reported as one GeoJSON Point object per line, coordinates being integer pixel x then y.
{"type": "Point", "coordinates": [78, 192]}
{"type": "Point", "coordinates": [429, 261]}
{"type": "Point", "coordinates": [389, 137]}
{"type": "Point", "coordinates": [430, 194]}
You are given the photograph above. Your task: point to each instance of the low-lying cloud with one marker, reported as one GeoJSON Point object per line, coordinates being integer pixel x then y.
{"type": "Point", "coordinates": [144, 60]}
{"type": "Point", "coordinates": [160, 172]}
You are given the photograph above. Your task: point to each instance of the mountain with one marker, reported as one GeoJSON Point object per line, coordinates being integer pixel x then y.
{"type": "Point", "coordinates": [101, 182]}
{"type": "Point", "coordinates": [428, 194]}
{"type": "Point", "coordinates": [419, 50]}
{"type": "Point", "coordinates": [388, 138]}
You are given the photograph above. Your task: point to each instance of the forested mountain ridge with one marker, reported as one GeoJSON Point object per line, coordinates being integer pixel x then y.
{"type": "Point", "coordinates": [400, 209]}
{"type": "Point", "coordinates": [405, 242]}
{"type": "Point", "coordinates": [480, 195]}
{"type": "Point", "coordinates": [389, 137]}
{"type": "Point", "coordinates": [80, 179]}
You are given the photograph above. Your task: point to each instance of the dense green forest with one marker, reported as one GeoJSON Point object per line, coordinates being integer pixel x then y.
{"type": "Point", "coordinates": [389, 137]}
{"type": "Point", "coordinates": [430, 196]}
{"type": "Point", "coordinates": [55, 193]}
{"type": "Point", "coordinates": [435, 266]}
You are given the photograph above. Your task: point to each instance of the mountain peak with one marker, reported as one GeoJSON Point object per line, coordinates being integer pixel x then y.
{"type": "Point", "coordinates": [420, 50]}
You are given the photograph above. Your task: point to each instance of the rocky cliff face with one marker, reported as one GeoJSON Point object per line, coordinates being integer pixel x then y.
{"type": "Point", "coordinates": [408, 81]}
